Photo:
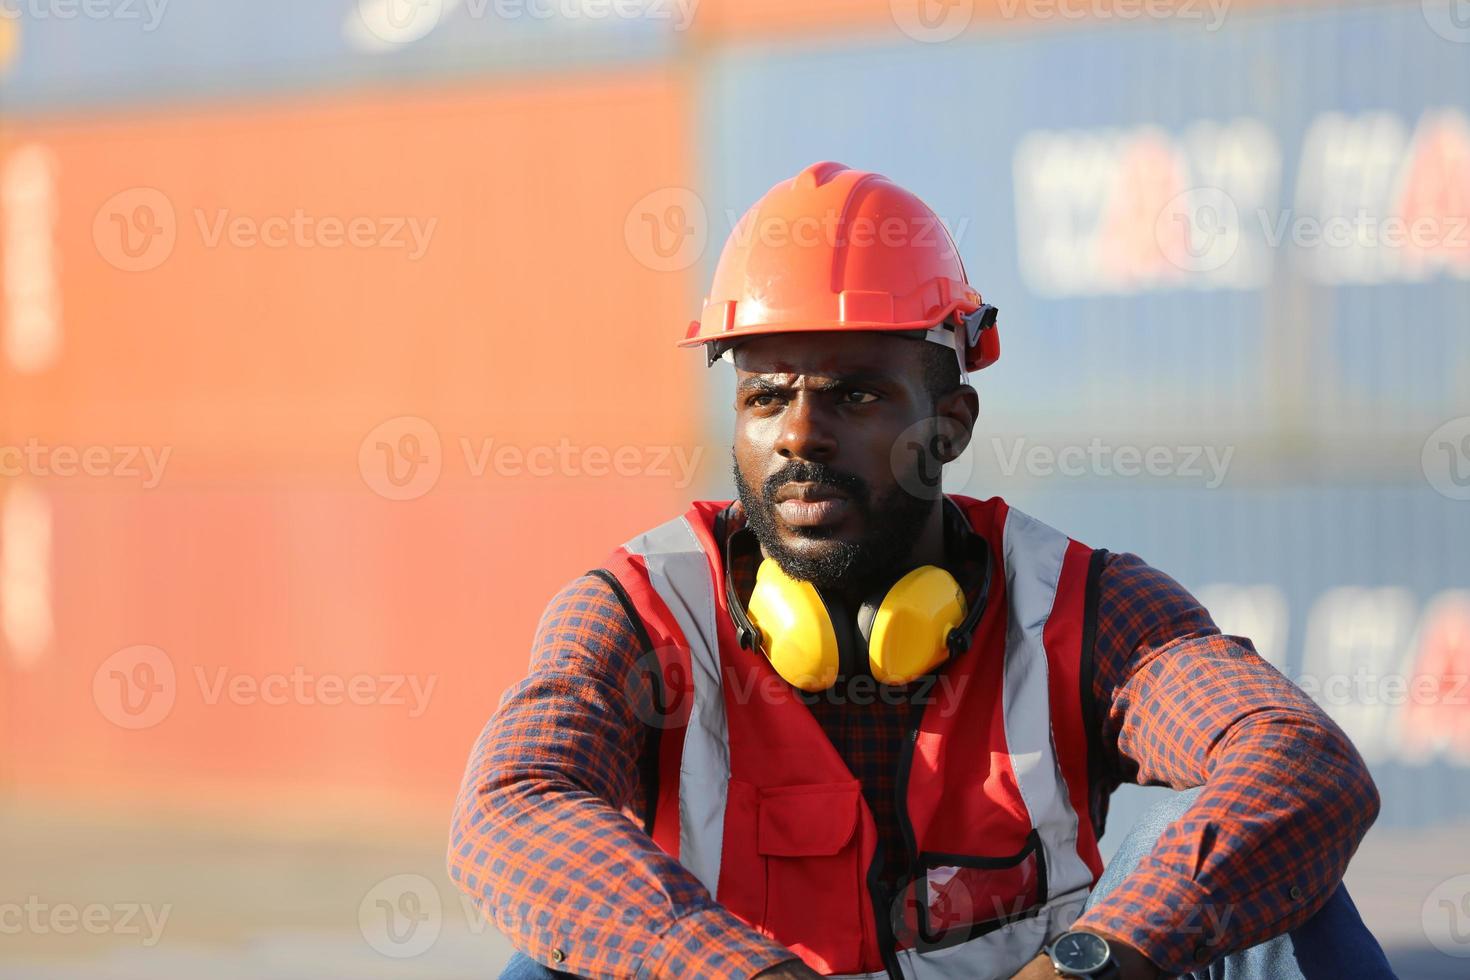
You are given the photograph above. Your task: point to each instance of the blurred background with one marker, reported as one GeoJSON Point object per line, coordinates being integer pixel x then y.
{"type": "Point", "coordinates": [317, 319]}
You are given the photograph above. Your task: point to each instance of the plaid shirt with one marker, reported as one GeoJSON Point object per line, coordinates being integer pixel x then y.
{"type": "Point", "coordinates": [547, 842]}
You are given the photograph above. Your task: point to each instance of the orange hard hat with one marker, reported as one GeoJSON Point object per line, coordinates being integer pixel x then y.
{"type": "Point", "coordinates": [841, 249]}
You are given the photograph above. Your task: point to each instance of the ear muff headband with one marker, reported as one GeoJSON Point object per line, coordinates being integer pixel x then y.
{"type": "Point", "coordinates": [921, 621]}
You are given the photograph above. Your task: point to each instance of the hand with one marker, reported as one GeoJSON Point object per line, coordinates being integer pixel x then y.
{"type": "Point", "coordinates": [790, 970]}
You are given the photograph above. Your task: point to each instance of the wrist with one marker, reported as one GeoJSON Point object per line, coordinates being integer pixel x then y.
{"type": "Point", "coordinates": [1088, 953]}
{"type": "Point", "coordinates": [1131, 962]}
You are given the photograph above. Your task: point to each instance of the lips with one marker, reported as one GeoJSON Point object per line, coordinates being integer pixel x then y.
{"type": "Point", "coordinates": [810, 504]}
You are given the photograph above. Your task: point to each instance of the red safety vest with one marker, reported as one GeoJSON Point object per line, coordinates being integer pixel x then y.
{"type": "Point", "coordinates": [754, 800]}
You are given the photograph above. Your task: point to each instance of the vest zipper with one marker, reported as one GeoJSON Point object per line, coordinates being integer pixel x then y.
{"type": "Point", "coordinates": [882, 900]}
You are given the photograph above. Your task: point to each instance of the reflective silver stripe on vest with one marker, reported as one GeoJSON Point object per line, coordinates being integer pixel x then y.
{"type": "Point", "coordinates": [680, 574]}
{"type": "Point", "coordinates": [1033, 560]}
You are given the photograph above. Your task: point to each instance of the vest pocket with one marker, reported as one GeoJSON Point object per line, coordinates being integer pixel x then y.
{"type": "Point", "coordinates": [955, 898]}
{"type": "Point", "coordinates": [807, 840]}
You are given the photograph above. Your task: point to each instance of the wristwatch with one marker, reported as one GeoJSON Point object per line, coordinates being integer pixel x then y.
{"type": "Point", "coordinates": [1083, 954]}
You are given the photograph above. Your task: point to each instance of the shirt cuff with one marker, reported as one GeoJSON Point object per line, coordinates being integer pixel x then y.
{"type": "Point", "coordinates": [1170, 920]}
{"type": "Point", "coordinates": [712, 943]}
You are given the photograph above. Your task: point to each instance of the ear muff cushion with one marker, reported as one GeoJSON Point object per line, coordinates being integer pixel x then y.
{"type": "Point", "coordinates": [795, 630]}
{"type": "Point", "coordinates": [912, 624]}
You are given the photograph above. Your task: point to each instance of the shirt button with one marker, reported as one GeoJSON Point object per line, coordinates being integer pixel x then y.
{"type": "Point", "coordinates": [1202, 954]}
{"type": "Point", "coordinates": [557, 956]}
{"type": "Point", "coordinates": [1296, 893]}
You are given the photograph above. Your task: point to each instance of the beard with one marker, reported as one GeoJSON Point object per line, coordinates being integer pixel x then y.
{"type": "Point", "coordinates": [892, 522]}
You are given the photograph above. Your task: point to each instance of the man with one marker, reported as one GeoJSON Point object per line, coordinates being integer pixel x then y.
{"type": "Point", "coordinates": [850, 725]}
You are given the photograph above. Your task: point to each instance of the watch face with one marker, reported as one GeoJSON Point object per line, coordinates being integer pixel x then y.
{"type": "Point", "coordinates": [1080, 952]}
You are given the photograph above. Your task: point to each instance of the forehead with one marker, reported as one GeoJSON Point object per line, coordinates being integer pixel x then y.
{"type": "Point", "coordinates": [830, 354]}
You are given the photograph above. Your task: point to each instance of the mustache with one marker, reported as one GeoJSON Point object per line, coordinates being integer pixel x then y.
{"type": "Point", "coordinates": [799, 471]}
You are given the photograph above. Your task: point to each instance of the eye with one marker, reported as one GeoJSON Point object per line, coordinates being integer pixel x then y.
{"type": "Point", "coordinates": [762, 400]}
{"type": "Point", "coordinates": [858, 397]}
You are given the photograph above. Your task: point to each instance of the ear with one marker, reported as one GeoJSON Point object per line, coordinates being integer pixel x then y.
{"type": "Point", "coordinates": [960, 408]}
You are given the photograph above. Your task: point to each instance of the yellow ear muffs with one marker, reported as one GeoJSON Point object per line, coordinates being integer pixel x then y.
{"type": "Point", "coordinates": [907, 636]}
{"type": "Point", "coordinates": [795, 631]}
{"type": "Point", "coordinates": [910, 630]}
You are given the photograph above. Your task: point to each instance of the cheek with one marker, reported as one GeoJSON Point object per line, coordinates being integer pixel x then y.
{"type": "Point", "coordinates": [754, 441]}
{"type": "Point", "coordinates": [876, 453]}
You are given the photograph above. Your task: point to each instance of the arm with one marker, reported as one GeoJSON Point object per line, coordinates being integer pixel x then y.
{"type": "Point", "coordinates": [539, 840]}
{"type": "Point", "coordinates": [1286, 797]}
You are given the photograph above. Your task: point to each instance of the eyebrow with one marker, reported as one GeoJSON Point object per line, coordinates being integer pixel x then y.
{"type": "Point", "coordinates": [763, 383]}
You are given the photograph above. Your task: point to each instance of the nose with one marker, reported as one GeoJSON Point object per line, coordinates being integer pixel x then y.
{"type": "Point", "coordinates": [806, 431]}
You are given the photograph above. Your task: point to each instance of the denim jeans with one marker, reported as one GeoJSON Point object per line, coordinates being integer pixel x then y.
{"type": "Point", "coordinates": [1331, 945]}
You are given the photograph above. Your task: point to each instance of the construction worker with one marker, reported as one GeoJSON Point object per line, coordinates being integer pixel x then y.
{"type": "Point", "coordinates": [851, 725]}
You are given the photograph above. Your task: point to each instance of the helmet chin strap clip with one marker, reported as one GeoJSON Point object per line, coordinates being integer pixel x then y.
{"type": "Point", "coordinates": [961, 331]}
{"type": "Point", "coordinates": [982, 318]}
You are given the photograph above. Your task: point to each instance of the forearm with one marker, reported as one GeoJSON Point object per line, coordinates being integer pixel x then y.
{"type": "Point", "coordinates": [1285, 801]}
{"type": "Point", "coordinates": [540, 841]}
{"type": "Point", "coordinates": [555, 868]}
